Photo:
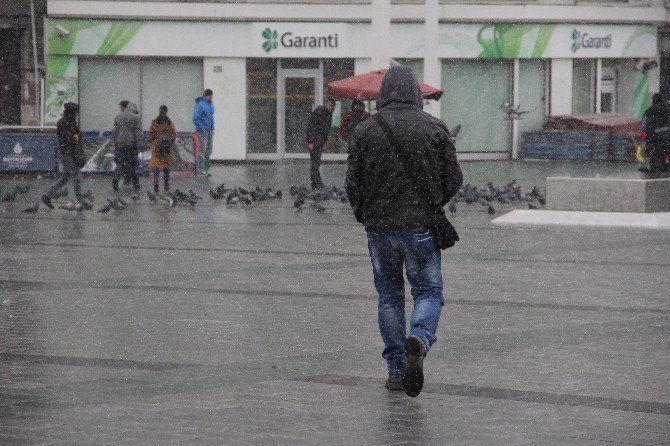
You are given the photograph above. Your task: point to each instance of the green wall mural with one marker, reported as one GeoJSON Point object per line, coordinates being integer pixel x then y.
{"type": "Point", "coordinates": [65, 38]}
{"type": "Point", "coordinates": [508, 41]}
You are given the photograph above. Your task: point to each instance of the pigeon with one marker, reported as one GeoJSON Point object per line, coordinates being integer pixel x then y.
{"type": "Point", "coordinates": [531, 206]}
{"type": "Point", "coordinates": [9, 197]}
{"type": "Point", "coordinates": [214, 194]}
{"type": "Point", "coordinates": [33, 209]}
{"type": "Point", "coordinates": [180, 196]}
{"type": "Point", "coordinates": [193, 196]}
{"type": "Point", "coordinates": [106, 208]}
{"type": "Point", "coordinates": [88, 195]}
{"type": "Point", "coordinates": [243, 191]}
{"type": "Point", "coordinates": [22, 189]}
{"type": "Point", "coordinates": [70, 207]}
{"type": "Point", "coordinates": [152, 196]}
{"type": "Point", "coordinates": [116, 204]}
{"type": "Point", "coordinates": [452, 207]}
{"type": "Point", "coordinates": [299, 203]}
{"type": "Point", "coordinates": [169, 199]}
{"type": "Point", "coordinates": [491, 210]}
{"type": "Point", "coordinates": [121, 202]}
{"type": "Point", "coordinates": [135, 197]}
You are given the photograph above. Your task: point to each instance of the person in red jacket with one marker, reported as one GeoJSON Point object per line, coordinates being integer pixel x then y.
{"type": "Point", "coordinates": [356, 115]}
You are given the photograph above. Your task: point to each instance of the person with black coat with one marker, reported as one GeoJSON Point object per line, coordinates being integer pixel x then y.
{"type": "Point", "coordinates": [318, 129]}
{"type": "Point", "coordinates": [395, 201]}
{"type": "Point", "coordinates": [69, 140]}
{"type": "Point", "coordinates": [656, 125]}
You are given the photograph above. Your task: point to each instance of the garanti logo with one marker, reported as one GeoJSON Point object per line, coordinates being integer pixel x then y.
{"type": "Point", "coordinates": [270, 40]}
{"type": "Point", "coordinates": [584, 40]}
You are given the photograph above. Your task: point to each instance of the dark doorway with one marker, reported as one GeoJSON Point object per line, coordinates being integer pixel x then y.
{"type": "Point", "coordinates": [10, 76]}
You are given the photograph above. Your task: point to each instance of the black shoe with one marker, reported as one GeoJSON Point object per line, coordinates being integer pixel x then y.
{"type": "Point", "coordinates": [412, 379]}
{"type": "Point", "coordinates": [394, 382]}
{"type": "Point", "coordinates": [115, 185]}
{"type": "Point", "coordinates": [156, 189]}
{"type": "Point", "coordinates": [47, 201]}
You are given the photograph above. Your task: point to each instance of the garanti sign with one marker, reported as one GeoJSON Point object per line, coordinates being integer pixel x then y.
{"type": "Point", "coordinates": [298, 39]}
{"type": "Point", "coordinates": [587, 41]}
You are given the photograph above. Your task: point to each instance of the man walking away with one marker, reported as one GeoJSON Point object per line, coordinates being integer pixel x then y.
{"type": "Point", "coordinates": [127, 139]}
{"type": "Point", "coordinates": [393, 200]}
{"type": "Point", "coordinates": [203, 119]}
{"type": "Point", "coordinates": [656, 125]}
{"type": "Point", "coordinates": [69, 138]}
{"type": "Point", "coordinates": [318, 129]}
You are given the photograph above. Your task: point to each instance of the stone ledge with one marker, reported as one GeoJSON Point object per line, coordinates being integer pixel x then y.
{"type": "Point", "coordinates": [659, 220]}
{"type": "Point", "coordinates": [608, 194]}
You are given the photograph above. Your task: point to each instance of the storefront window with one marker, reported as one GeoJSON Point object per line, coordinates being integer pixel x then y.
{"type": "Point", "coordinates": [336, 69]}
{"type": "Point", "coordinates": [617, 85]}
{"type": "Point", "coordinates": [262, 105]}
{"type": "Point", "coordinates": [473, 93]}
{"type": "Point", "coordinates": [583, 86]}
{"type": "Point", "coordinates": [149, 83]}
{"type": "Point", "coordinates": [532, 94]}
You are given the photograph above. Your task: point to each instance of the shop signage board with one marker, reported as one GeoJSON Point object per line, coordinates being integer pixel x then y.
{"type": "Point", "coordinates": [23, 153]}
{"type": "Point", "coordinates": [323, 40]}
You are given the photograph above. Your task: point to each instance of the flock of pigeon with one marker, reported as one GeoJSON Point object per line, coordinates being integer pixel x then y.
{"type": "Point", "coordinates": [304, 198]}
{"type": "Point", "coordinates": [490, 194]}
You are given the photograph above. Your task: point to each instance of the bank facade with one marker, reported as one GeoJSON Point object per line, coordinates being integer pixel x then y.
{"type": "Point", "coordinates": [268, 73]}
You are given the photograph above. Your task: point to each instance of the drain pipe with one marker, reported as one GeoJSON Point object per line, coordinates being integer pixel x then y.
{"type": "Point", "coordinates": [35, 80]}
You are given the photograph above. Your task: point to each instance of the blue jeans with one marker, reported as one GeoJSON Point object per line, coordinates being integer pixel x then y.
{"type": "Point", "coordinates": [416, 249]}
{"type": "Point", "coordinates": [205, 148]}
{"type": "Point", "coordinates": [70, 171]}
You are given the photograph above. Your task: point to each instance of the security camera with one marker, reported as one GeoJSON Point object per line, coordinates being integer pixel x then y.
{"type": "Point", "coordinates": [62, 31]}
{"type": "Point", "coordinates": [645, 65]}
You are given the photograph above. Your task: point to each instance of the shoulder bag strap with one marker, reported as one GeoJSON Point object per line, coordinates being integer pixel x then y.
{"type": "Point", "coordinates": [402, 158]}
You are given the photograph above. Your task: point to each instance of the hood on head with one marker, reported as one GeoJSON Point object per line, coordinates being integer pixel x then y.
{"type": "Point", "coordinates": [132, 108]}
{"type": "Point", "coordinates": [399, 85]}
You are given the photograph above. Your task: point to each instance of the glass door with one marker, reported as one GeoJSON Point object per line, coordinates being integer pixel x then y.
{"type": "Point", "coordinates": [299, 92]}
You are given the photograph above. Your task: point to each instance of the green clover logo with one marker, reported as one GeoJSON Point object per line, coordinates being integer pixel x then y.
{"type": "Point", "coordinates": [270, 37]}
{"type": "Point", "coordinates": [576, 44]}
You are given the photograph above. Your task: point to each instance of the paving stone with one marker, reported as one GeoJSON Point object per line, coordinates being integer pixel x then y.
{"type": "Point", "coordinates": [255, 326]}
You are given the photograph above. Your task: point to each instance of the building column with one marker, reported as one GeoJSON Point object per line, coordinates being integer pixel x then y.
{"type": "Point", "coordinates": [561, 87]}
{"type": "Point", "coordinates": [515, 102]}
{"type": "Point", "coordinates": [227, 78]}
{"type": "Point", "coordinates": [381, 30]}
{"type": "Point", "coordinates": [432, 74]}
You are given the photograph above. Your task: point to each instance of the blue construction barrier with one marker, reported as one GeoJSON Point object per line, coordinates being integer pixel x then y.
{"type": "Point", "coordinates": [28, 153]}
{"type": "Point", "coordinates": [576, 145]}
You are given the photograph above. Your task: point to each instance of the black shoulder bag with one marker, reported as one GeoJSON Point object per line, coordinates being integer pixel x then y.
{"type": "Point", "coordinates": [444, 232]}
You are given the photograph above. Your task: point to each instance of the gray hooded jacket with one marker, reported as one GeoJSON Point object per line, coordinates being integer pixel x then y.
{"type": "Point", "coordinates": [128, 128]}
{"type": "Point", "coordinates": [381, 188]}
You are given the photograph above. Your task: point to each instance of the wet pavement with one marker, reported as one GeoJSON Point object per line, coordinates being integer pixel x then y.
{"type": "Point", "coordinates": [232, 325]}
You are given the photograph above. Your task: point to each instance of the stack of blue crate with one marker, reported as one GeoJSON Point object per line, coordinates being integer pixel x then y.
{"type": "Point", "coordinates": [566, 145]}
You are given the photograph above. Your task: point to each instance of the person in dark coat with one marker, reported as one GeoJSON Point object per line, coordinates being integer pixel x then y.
{"type": "Point", "coordinates": [385, 200]}
{"type": "Point", "coordinates": [318, 129]}
{"type": "Point", "coordinates": [162, 135]}
{"type": "Point", "coordinates": [656, 125]}
{"type": "Point", "coordinates": [128, 140]}
{"type": "Point", "coordinates": [69, 139]}
{"type": "Point", "coordinates": [356, 115]}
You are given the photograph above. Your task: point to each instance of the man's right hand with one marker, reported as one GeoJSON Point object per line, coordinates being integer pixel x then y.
{"type": "Point", "coordinates": [310, 147]}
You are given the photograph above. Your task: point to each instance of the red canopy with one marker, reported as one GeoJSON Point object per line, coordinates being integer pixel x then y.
{"type": "Point", "coordinates": [366, 87]}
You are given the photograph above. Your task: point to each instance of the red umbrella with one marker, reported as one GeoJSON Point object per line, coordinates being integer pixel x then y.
{"type": "Point", "coordinates": [366, 87]}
